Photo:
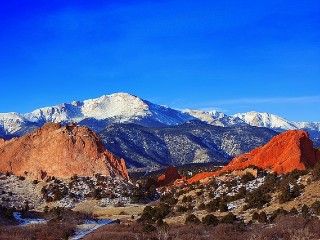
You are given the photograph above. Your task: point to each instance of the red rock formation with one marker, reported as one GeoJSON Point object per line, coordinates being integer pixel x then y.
{"type": "Point", "coordinates": [201, 176]}
{"type": "Point", "coordinates": [180, 182]}
{"type": "Point", "coordinates": [284, 153]}
{"type": "Point", "coordinates": [2, 141]}
{"type": "Point", "coordinates": [170, 176]}
{"type": "Point", "coordinates": [59, 151]}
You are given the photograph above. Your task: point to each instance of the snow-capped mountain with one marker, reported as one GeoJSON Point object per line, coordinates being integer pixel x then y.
{"type": "Point", "coordinates": [275, 122]}
{"type": "Point", "coordinates": [266, 120]}
{"type": "Point", "coordinates": [216, 118]}
{"type": "Point", "coordinates": [280, 124]}
{"type": "Point", "coordinates": [97, 114]}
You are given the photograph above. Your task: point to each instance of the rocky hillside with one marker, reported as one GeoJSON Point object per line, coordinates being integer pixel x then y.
{"type": "Point", "coordinates": [192, 142]}
{"type": "Point", "coordinates": [60, 151]}
{"type": "Point", "coordinates": [283, 154]}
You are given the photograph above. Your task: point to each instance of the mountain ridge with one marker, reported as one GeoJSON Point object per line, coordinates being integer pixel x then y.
{"type": "Point", "coordinates": [192, 142]}
{"type": "Point", "coordinates": [99, 113]}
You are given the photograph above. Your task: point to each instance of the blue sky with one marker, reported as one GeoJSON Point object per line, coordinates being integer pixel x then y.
{"type": "Point", "coordinates": [234, 56]}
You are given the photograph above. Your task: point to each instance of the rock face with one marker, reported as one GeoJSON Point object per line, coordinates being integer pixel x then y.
{"type": "Point", "coordinates": [60, 151]}
{"type": "Point", "coordinates": [284, 153]}
{"type": "Point", "coordinates": [169, 176]}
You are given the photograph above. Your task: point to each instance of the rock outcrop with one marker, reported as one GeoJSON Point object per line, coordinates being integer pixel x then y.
{"type": "Point", "coordinates": [171, 174]}
{"type": "Point", "coordinates": [284, 153]}
{"type": "Point", "coordinates": [60, 151]}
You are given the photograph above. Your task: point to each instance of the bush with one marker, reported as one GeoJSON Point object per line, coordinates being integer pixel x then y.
{"type": "Point", "coordinates": [316, 171]}
{"type": "Point", "coordinates": [192, 219]}
{"type": "Point", "coordinates": [316, 207]}
{"type": "Point", "coordinates": [210, 219]}
{"type": "Point", "coordinates": [305, 210]}
{"type": "Point", "coordinates": [223, 207]}
{"type": "Point", "coordinates": [247, 178]}
{"type": "Point", "coordinates": [147, 214]}
{"type": "Point", "coordinates": [294, 211]}
{"type": "Point", "coordinates": [255, 216]}
{"type": "Point", "coordinates": [169, 199]}
{"type": "Point", "coordinates": [148, 228]}
{"type": "Point", "coordinates": [257, 198]}
{"type": "Point", "coordinates": [186, 199]}
{"type": "Point", "coordinates": [276, 213]}
{"type": "Point", "coordinates": [182, 209]}
{"type": "Point", "coordinates": [285, 194]}
{"type": "Point", "coordinates": [230, 218]}
{"type": "Point", "coordinates": [152, 214]}
{"type": "Point", "coordinates": [213, 205]}
{"type": "Point", "coordinates": [263, 217]}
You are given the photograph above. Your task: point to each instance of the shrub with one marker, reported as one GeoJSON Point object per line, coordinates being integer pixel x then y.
{"type": "Point", "coordinates": [210, 219]}
{"type": "Point", "coordinates": [316, 207]}
{"type": "Point", "coordinates": [187, 199]}
{"type": "Point", "coordinates": [263, 217]}
{"type": "Point", "coordinates": [316, 171]}
{"type": "Point", "coordinates": [148, 228]}
{"type": "Point", "coordinates": [223, 207]}
{"type": "Point", "coordinates": [255, 216]}
{"type": "Point", "coordinates": [152, 214]}
{"type": "Point", "coordinates": [247, 178]}
{"type": "Point", "coordinates": [147, 214]}
{"type": "Point", "coordinates": [22, 178]}
{"type": "Point", "coordinates": [257, 198]}
{"type": "Point", "coordinates": [192, 219]}
{"type": "Point", "coordinates": [294, 211]}
{"type": "Point", "coordinates": [276, 213]}
{"type": "Point", "coordinates": [169, 199]}
{"type": "Point", "coordinates": [285, 194]}
{"type": "Point", "coordinates": [182, 209]}
{"type": "Point", "coordinates": [213, 205]}
{"type": "Point", "coordinates": [305, 210]}
{"type": "Point", "coordinates": [202, 206]}
{"type": "Point", "coordinates": [230, 218]}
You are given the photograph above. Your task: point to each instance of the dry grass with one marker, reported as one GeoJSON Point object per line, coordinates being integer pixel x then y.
{"type": "Point", "coordinates": [311, 193]}
{"type": "Point", "coordinates": [91, 206]}
{"type": "Point", "coordinates": [286, 228]}
{"type": "Point", "coordinates": [49, 231]}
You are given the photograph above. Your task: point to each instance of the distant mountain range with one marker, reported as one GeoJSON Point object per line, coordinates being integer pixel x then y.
{"type": "Point", "coordinates": [149, 134]}
{"type": "Point", "coordinates": [191, 142]}
{"type": "Point", "coordinates": [95, 113]}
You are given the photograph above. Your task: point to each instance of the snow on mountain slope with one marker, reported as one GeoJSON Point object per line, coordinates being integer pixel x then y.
{"type": "Point", "coordinates": [9, 122]}
{"type": "Point", "coordinates": [266, 120]}
{"type": "Point", "coordinates": [98, 113]}
{"type": "Point", "coordinates": [216, 118]}
{"type": "Point", "coordinates": [280, 124]}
